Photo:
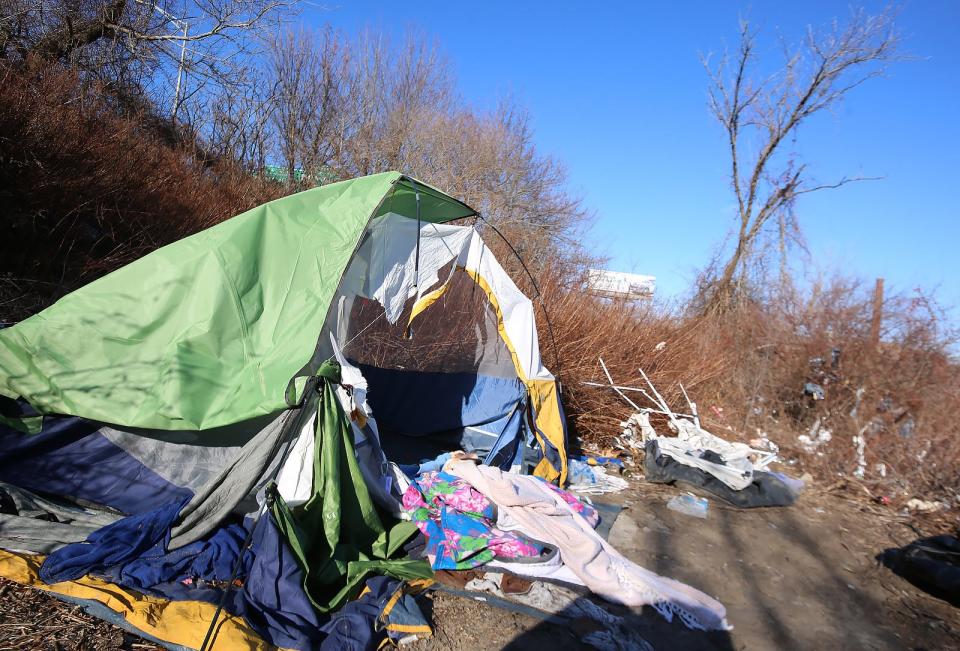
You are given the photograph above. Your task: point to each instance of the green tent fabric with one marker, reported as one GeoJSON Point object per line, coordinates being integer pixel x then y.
{"type": "Point", "coordinates": [207, 331]}
{"type": "Point", "coordinates": [338, 536]}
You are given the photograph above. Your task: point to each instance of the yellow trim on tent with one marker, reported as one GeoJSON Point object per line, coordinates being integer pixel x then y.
{"type": "Point", "coordinates": [427, 300]}
{"type": "Point", "coordinates": [412, 587]}
{"type": "Point", "coordinates": [177, 622]}
{"type": "Point", "coordinates": [546, 406]}
{"type": "Point", "coordinates": [543, 393]}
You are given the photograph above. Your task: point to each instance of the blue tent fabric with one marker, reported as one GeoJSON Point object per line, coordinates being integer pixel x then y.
{"type": "Point", "coordinates": [364, 623]}
{"type": "Point", "coordinates": [418, 403]}
{"type": "Point", "coordinates": [353, 627]}
{"type": "Point", "coordinates": [70, 457]}
{"type": "Point", "coordinates": [132, 552]}
{"type": "Point", "coordinates": [110, 548]}
{"type": "Point", "coordinates": [421, 415]}
{"type": "Point", "coordinates": [208, 560]}
{"type": "Point", "coordinates": [507, 450]}
{"type": "Point", "coordinates": [272, 600]}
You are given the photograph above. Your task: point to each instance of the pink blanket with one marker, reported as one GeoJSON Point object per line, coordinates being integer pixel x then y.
{"type": "Point", "coordinates": [527, 504]}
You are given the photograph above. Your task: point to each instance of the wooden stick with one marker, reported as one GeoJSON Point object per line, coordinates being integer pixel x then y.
{"type": "Point", "coordinates": [600, 385]}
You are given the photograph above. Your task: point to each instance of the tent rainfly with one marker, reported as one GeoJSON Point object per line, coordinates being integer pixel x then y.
{"type": "Point", "coordinates": [255, 396]}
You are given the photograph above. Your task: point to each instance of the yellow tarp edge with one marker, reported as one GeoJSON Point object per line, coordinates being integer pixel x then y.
{"type": "Point", "coordinates": [543, 397]}
{"type": "Point", "coordinates": [177, 622]}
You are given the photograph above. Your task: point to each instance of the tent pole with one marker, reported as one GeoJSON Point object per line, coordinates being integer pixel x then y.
{"type": "Point", "coordinates": [416, 261]}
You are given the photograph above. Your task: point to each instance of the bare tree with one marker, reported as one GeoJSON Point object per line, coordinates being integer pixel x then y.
{"type": "Point", "coordinates": [150, 45]}
{"type": "Point", "coordinates": [761, 115]}
{"type": "Point", "coordinates": [307, 72]}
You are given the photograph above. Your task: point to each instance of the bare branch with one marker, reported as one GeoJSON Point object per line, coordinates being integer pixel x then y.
{"type": "Point", "coordinates": [814, 77]}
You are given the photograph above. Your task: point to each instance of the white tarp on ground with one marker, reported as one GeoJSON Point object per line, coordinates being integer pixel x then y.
{"type": "Point", "coordinates": [736, 471]}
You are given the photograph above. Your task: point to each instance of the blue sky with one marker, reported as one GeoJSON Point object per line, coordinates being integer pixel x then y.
{"type": "Point", "coordinates": [617, 92]}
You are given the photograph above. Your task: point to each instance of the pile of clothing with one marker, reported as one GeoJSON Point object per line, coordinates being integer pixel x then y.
{"type": "Point", "coordinates": [732, 472]}
{"type": "Point", "coordinates": [479, 517]}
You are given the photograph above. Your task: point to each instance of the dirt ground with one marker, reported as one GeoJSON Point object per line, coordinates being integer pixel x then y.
{"type": "Point", "coordinates": [803, 577]}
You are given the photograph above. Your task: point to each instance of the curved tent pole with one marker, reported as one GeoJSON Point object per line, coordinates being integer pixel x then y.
{"type": "Point", "coordinates": [546, 315]}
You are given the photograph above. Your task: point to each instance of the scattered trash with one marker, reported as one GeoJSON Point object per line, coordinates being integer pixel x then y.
{"type": "Point", "coordinates": [860, 444]}
{"type": "Point", "coordinates": [607, 462]}
{"type": "Point", "coordinates": [882, 499]}
{"type": "Point", "coordinates": [815, 438]}
{"type": "Point", "coordinates": [660, 346]}
{"type": "Point", "coordinates": [907, 427]}
{"type": "Point", "coordinates": [923, 506]}
{"type": "Point", "coordinates": [732, 471]}
{"type": "Point", "coordinates": [765, 489]}
{"type": "Point", "coordinates": [689, 504]}
{"type": "Point", "coordinates": [579, 472]}
{"type": "Point", "coordinates": [813, 390]}
{"type": "Point", "coordinates": [819, 510]}
{"type": "Point", "coordinates": [597, 627]}
{"type": "Point", "coordinates": [637, 430]}
{"type": "Point", "coordinates": [593, 480]}
{"type": "Point", "coordinates": [762, 442]}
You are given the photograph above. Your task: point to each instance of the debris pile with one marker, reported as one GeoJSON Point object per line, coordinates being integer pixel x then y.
{"type": "Point", "coordinates": [732, 471]}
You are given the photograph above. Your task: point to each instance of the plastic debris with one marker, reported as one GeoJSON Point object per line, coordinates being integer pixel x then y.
{"type": "Point", "coordinates": [593, 480]}
{"type": "Point", "coordinates": [924, 506]}
{"type": "Point", "coordinates": [818, 436]}
{"type": "Point", "coordinates": [689, 505]}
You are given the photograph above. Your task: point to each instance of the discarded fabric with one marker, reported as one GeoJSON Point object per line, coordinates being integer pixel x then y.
{"type": "Point", "coordinates": [543, 515]}
{"type": "Point", "coordinates": [383, 609]}
{"type": "Point", "coordinates": [460, 523]}
{"type": "Point", "coordinates": [611, 633]}
{"type": "Point", "coordinates": [765, 488]}
{"type": "Point", "coordinates": [932, 564]}
{"type": "Point", "coordinates": [590, 479]}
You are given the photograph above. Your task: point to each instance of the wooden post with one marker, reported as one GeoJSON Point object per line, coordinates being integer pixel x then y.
{"type": "Point", "coordinates": [877, 314]}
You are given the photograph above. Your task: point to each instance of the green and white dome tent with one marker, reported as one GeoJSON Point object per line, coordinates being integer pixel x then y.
{"type": "Point", "coordinates": [198, 373]}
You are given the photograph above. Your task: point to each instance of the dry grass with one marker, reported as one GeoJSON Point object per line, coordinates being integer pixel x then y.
{"type": "Point", "coordinates": [85, 188]}
{"type": "Point", "coordinates": [747, 370]}
{"type": "Point", "coordinates": [31, 620]}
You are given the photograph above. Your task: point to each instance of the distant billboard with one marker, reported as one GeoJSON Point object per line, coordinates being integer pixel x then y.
{"type": "Point", "coordinates": [617, 284]}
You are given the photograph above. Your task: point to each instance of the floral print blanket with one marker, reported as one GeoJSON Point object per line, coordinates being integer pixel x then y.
{"type": "Point", "coordinates": [459, 523]}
